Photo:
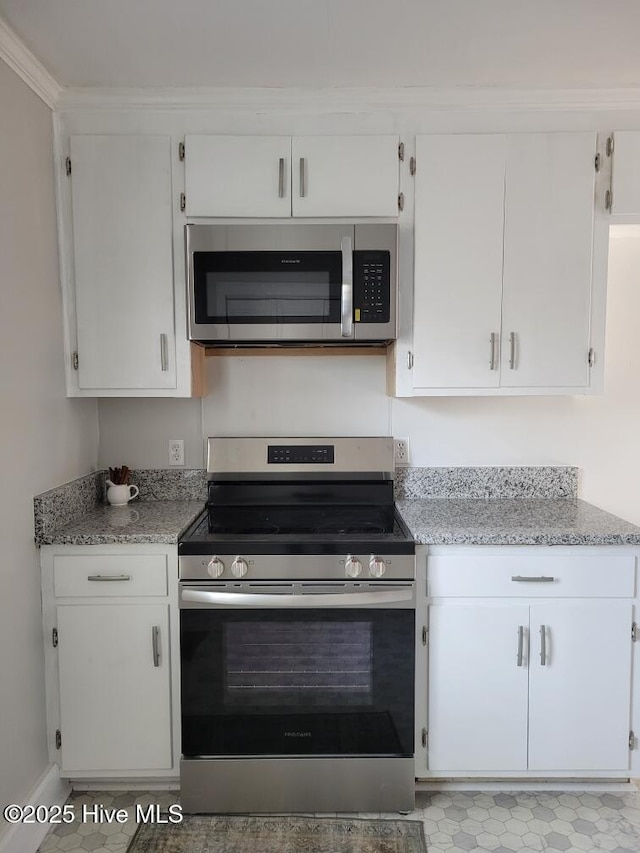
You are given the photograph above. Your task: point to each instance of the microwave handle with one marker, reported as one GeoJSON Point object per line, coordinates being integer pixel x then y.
{"type": "Point", "coordinates": [346, 315]}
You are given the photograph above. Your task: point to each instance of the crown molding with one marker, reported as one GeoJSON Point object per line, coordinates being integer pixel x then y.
{"type": "Point", "coordinates": [337, 100]}
{"type": "Point", "coordinates": [19, 58]}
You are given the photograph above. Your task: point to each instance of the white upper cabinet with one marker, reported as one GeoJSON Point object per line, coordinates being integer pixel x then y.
{"type": "Point", "coordinates": [238, 175]}
{"type": "Point", "coordinates": [548, 242]}
{"type": "Point", "coordinates": [276, 176]}
{"type": "Point", "coordinates": [458, 260]}
{"type": "Point", "coordinates": [626, 174]}
{"type": "Point", "coordinates": [345, 175]}
{"type": "Point", "coordinates": [504, 259]}
{"type": "Point", "coordinates": [123, 262]}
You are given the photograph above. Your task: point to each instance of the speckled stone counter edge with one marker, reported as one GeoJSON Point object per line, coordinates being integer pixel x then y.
{"type": "Point", "coordinates": [59, 506]}
{"type": "Point", "coordinates": [499, 482]}
{"type": "Point", "coordinates": [73, 500]}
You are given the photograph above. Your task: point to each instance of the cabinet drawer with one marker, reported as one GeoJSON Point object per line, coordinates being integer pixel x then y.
{"type": "Point", "coordinates": [531, 576]}
{"type": "Point", "coordinates": [103, 575]}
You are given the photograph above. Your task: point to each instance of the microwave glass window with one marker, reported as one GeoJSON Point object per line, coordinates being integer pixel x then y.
{"type": "Point", "coordinates": [268, 297]}
{"type": "Point", "coordinates": [268, 288]}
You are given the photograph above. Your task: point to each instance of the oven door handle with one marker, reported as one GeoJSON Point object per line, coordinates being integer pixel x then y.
{"type": "Point", "coordinates": [340, 599]}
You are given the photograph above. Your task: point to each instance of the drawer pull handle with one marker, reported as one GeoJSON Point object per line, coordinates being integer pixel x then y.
{"type": "Point", "coordinates": [155, 643]}
{"type": "Point", "coordinates": [532, 579]}
{"type": "Point", "coordinates": [520, 657]}
{"type": "Point", "coordinates": [109, 578]}
{"type": "Point", "coordinates": [543, 645]}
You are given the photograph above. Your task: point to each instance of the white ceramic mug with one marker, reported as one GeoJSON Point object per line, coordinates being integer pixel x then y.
{"type": "Point", "coordinates": [121, 495]}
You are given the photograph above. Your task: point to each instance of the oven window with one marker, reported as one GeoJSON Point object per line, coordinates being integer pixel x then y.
{"type": "Point", "coordinates": [267, 287]}
{"type": "Point", "coordinates": [313, 682]}
{"type": "Point", "coordinates": [322, 664]}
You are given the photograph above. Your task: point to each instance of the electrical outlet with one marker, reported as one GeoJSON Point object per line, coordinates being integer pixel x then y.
{"type": "Point", "coordinates": [401, 451]}
{"type": "Point", "coordinates": [176, 451]}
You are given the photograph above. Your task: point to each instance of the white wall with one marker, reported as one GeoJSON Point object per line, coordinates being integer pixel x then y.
{"type": "Point", "coordinates": [46, 439]}
{"type": "Point", "coordinates": [346, 396]}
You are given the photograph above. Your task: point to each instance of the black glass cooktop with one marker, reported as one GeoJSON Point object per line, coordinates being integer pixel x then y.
{"type": "Point", "coordinates": [307, 530]}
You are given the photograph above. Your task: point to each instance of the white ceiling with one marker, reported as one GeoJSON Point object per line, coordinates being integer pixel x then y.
{"type": "Point", "coordinates": [328, 43]}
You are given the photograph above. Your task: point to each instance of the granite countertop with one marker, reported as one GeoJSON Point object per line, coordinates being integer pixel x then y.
{"type": "Point", "coordinates": [522, 521]}
{"type": "Point", "coordinates": [138, 522]}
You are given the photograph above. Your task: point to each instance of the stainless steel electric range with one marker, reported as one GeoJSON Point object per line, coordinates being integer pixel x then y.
{"type": "Point", "coordinates": [297, 631]}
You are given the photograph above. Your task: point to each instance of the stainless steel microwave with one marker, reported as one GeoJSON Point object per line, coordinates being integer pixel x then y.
{"type": "Point", "coordinates": [292, 283]}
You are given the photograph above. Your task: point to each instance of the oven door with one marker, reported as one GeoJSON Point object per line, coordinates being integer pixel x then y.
{"type": "Point", "coordinates": [297, 669]}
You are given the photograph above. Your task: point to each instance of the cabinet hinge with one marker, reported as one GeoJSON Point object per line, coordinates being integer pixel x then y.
{"type": "Point", "coordinates": [608, 196]}
{"type": "Point", "coordinates": [54, 638]}
{"type": "Point", "coordinates": [634, 632]}
{"type": "Point", "coordinates": [425, 635]}
{"type": "Point", "coordinates": [74, 360]}
{"type": "Point", "coordinates": [412, 166]}
{"type": "Point", "coordinates": [183, 201]}
{"type": "Point", "coordinates": [401, 152]}
{"type": "Point", "coordinates": [409, 360]}
{"type": "Point", "coordinates": [424, 738]}
{"type": "Point", "coordinates": [401, 201]}
{"type": "Point", "coordinates": [58, 738]}
{"type": "Point", "coordinates": [610, 145]}
{"type": "Point", "coordinates": [67, 165]}
{"type": "Point", "coordinates": [598, 162]}
{"type": "Point", "coordinates": [591, 357]}
{"type": "Point", "coordinates": [632, 740]}
{"type": "Point", "coordinates": [181, 150]}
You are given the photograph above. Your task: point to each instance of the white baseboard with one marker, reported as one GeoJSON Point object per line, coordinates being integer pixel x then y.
{"type": "Point", "coordinates": [595, 786]}
{"type": "Point", "coordinates": [51, 790]}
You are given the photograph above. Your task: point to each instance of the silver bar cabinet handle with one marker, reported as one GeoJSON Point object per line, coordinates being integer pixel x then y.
{"type": "Point", "coordinates": [155, 642]}
{"type": "Point", "coordinates": [543, 645]}
{"type": "Point", "coordinates": [109, 577]}
{"type": "Point", "coordinates": [512, 350]}
{"type": "Point", "coordinates": [281, 178]}
{"type": "Point", "coordinates": [346, 295]}
{"type": "Point", "coordinates": [532, 579]}
{"type": "Point", "coordinates": [520, 644]}
{"type": "Point", "coordinates": [492, 351]}
{"type": "Point", "coordinates": [303, 182]}
{"type": "Point", "coordinates": [164, 353]}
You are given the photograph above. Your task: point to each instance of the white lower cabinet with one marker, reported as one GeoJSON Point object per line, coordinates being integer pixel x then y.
{"type": "Point", "coordinates": [109, 620]}
{"type": "Point", "coordinates": [115, 701]}
{"type": "Point", "coordinates": [536, 684]}
{"type": "Point", "coordinates": [477, 694]}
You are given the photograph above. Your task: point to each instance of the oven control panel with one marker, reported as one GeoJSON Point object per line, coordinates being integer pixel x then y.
{"type": "Point", "coordinates": [300, 454]}
{"type": "Point", "coordinates": [308, 567]}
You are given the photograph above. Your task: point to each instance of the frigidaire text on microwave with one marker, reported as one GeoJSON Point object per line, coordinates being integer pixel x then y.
{"type": "Point", "coordinates": [292, 283]}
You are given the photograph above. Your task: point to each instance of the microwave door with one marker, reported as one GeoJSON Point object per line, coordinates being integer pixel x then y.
{"type": "Point", "coordinates": [268, 296]}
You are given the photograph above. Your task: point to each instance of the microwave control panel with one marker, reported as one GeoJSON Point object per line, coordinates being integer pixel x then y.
{"type": "Point", "coordinates": [371, 286]}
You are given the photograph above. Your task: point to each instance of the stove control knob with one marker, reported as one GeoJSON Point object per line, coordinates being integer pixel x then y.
{"type": "Point", "coordinates": [215, 567]}
{"type": "Point", "coordinates": [377, 566]}
{"type": "Point", "coordinates": [353, 567]}
{"type": "Point", "coordinates": [239, 567]}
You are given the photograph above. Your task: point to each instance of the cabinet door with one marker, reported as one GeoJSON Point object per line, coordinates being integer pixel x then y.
{"type": "Point", "coordinates": [626, 174]}
{"type": "Point", "coordinates": [579, 699]}
{"type": "Point", "coordinates": [237, 175]}
{"type": "Point", "coordinates": [122, 238]}
{"type": "Point", "coordinates": [115, 703]}
{"type": "Point", "coordinates": [459, 220]}
{"type": "Point", "coordinates": [548, 245]}
{"type": "Point", "coordinates": [477, 688]}
{"type": "Point", "coordinates": [345, 175]}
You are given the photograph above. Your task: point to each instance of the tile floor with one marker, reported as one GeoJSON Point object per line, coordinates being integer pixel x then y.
{"type": "Point", "coordinates": [453, 821]}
